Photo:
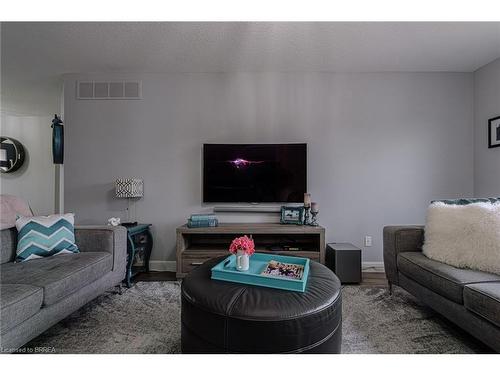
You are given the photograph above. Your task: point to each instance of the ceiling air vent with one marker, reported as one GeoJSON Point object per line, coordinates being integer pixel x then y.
{"type": "Point", "coordinates": [85, 90]}
{"type": "Point", "coordinates": [102, 90]}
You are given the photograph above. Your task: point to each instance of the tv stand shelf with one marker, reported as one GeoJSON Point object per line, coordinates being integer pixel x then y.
{"type": "Point", "coordinates": [197, 245]}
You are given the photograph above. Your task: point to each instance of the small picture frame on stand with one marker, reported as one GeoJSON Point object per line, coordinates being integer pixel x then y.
{"type": "Point", "coordinates": [292, 215]}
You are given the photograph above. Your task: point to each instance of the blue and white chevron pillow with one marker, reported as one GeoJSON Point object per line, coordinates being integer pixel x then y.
{"type": "Point", "coordinates": [44, 236]}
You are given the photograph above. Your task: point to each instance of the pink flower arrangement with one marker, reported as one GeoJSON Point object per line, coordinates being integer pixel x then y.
{"type": "Point", "coordinates": [244, 243]}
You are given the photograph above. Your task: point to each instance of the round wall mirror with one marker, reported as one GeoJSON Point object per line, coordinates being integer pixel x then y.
{"type": "Point", "coordinates": [11, 155]}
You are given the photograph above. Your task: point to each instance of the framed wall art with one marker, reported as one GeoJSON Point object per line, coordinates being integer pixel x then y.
{"type": "Point", "coordinates": [494, 132]}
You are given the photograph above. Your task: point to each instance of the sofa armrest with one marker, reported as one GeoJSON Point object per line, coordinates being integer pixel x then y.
{"type": "Point", "coordinates": [104, 238]}
{"type": "Point", "coordinates": [399, 239]}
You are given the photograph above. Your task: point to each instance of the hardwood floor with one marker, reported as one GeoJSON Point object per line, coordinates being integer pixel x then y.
{"type": "Point", "coordinates": [372, 279]}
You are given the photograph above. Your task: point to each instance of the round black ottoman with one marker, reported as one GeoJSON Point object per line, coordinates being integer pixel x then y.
{"type": "Point", "coordinates": [225, 317]}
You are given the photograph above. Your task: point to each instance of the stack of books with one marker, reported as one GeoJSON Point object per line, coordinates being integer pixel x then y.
{"type": "Point", "coordinates": [202, 221]}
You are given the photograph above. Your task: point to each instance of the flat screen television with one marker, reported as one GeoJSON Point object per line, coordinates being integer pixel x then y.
{"type": "Point", "coordinates": [254, 173]}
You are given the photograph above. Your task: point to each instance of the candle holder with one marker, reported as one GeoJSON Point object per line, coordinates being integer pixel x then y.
{"type": "Point", "coordinates": [306, 215]}
{"type": "Point", "coordinates": [314, 222]}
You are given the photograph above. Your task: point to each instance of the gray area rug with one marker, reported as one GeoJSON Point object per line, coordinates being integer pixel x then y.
{"type": "Point", "coordinates": [146, 319]}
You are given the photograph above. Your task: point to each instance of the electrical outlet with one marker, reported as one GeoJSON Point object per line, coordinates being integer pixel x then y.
{"type": "Point", "coordinates": [368, 241]}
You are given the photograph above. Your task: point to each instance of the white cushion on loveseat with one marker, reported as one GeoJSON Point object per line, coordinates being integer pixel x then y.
{"type": "Point", "coordinates": [464, 236]}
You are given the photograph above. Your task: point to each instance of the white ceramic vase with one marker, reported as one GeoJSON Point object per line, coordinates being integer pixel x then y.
{"type": "Point", "coordinates": [242, 261]}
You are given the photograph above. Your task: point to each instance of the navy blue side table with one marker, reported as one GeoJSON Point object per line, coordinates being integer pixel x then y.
{"type": "Point", "coordinates": [139, 239]}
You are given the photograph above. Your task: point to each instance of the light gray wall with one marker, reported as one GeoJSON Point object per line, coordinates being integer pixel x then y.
{"type": "Point", "coordinates": [486, 106]}
{"type": "Point", "coordinates": [381, 145]}
{"type": "Point", "coordinates": [26, 112]}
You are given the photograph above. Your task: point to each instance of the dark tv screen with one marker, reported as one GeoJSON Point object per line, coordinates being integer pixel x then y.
{"type": "Point", "coordinates": [254, 173]}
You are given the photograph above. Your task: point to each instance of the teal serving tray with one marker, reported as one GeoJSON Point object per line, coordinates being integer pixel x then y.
{"type": "Point", "coordinates": [226, 271]}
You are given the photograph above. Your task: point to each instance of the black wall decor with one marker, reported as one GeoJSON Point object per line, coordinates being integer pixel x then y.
{"type": "Point", "coordinates": [57, 140]}
{"type": "Point", "coordinates": [494, 132]}
{"type": "Point", "coordinates": [11, 154]}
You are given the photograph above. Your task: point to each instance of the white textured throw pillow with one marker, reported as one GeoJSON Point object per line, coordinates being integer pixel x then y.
{"type": "Point", "coordinates": [464, 236]}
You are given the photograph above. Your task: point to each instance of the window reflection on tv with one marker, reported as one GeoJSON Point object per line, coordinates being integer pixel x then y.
{"type": "Point", "coordinates": [254, 173]}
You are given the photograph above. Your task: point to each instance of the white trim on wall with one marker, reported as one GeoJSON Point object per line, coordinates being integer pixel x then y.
{"type": "Point", "coordinates": [373, 267]}
{"type": "Point", "coordinates": [59, 171]}
{"type": "Point", "coordinates": [59, 189]}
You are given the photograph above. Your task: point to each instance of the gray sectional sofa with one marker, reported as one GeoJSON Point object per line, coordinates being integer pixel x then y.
{"type": "Point", "coordinates": [468, 298]}
{"type": "Point", "coordinates": [36, 294]}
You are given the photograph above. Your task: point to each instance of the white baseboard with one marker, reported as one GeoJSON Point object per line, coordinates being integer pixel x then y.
{"type": "Point", "coordinates": [163, 265]}
{"type": "Point", "coordinates": [373, 266]}
{"type": "Point", "coordinates": [171, 266]}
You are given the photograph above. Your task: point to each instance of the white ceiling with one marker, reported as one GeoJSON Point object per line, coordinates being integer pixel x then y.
{"type": "Point", "coordinates": [51, 49]}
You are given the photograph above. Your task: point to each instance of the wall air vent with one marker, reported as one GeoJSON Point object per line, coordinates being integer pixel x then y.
{"type": "Point", "coordinates": [102, 90]}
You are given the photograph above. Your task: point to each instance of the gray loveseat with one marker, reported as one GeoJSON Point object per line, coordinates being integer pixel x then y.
{"type": "Point", "coordinates": [38, 293]}
{"type": "Point", "coordinates": [470, 299]}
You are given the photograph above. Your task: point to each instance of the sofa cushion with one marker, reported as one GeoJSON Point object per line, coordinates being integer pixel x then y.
{"type": "Point", "coordinates": [18, 303]}
{"type": "Point", "coordinates": [441, 278]}
{"type": "Point", "coordinates": [59, 276]}
{"type": "Point", "coordinates": [8, 241]}
{"type": "Point", "coordinates": [484, 300]}
{"type": "Point", "coordinates": [44, 236]}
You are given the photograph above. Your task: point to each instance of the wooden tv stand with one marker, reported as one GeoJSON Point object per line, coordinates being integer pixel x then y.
{"type": "Point", "coordinates": [197, 245]}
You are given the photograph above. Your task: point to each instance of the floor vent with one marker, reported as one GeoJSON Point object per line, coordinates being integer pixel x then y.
{"type": "Point", "coordinates": [99, 90]}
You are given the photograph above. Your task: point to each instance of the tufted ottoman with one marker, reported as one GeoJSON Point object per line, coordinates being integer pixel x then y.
{"type": "Point", "coordinates": [224, 317]}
